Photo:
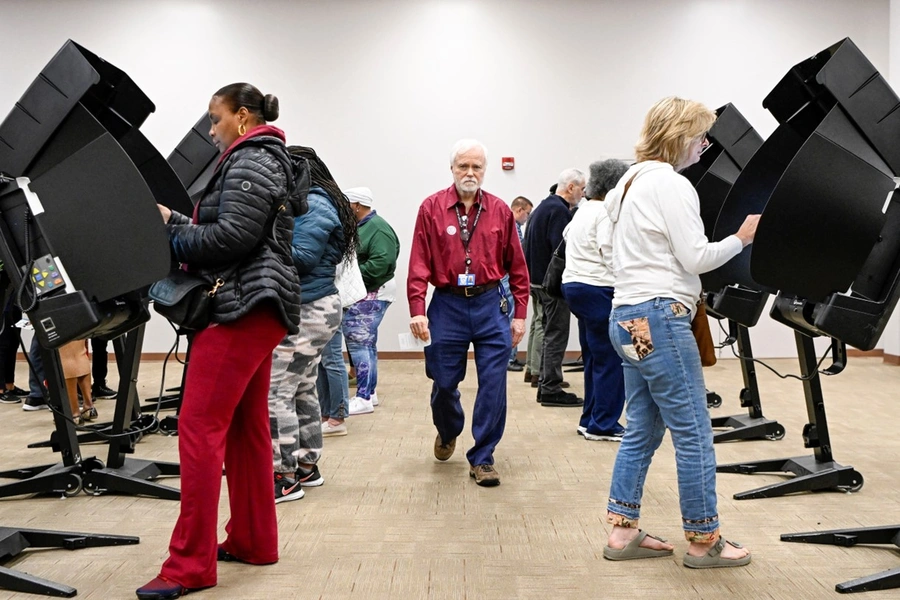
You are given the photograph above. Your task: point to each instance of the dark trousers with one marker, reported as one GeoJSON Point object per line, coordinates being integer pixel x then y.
{"type": "Point", "coordinates": [99, 361]}
{"type": "Point", "coordinates": [9, 343]}
{"type": "Point", "coordinates": [225, 418]}
{"type": "Point", "coordinates": [36, 372]}
{"type": "Point", "coordinates": [454, 323]}
{"type": "Point", "coordinates": [556, 338]}
{"type": "Point", "coordinates": [604, 382]}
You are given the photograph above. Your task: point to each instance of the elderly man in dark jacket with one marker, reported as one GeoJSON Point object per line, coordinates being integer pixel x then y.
{"type": "Point", "coordinates": [544, 233]}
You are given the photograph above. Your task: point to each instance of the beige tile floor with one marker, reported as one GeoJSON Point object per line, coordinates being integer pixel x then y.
{"type": "Point", "coordinates": [391, 522]}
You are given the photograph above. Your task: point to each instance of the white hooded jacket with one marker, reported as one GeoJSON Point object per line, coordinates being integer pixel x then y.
{"type": "Point", "coordinates": [659, 248]}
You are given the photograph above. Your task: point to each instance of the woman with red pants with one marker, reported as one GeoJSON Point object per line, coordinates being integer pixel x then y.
{"type": "Point", "coordinates": [224, 412]}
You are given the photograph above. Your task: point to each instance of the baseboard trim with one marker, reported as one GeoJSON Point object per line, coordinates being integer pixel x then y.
{"type": "Point", "coordinates": [891, 359]}
{"type": "Point", "coordinates": [853, 352]}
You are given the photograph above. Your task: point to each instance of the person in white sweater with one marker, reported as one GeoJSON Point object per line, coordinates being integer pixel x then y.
{"type": "Point", "coordinates": [587, 285]}
{"type": "Point", "coordinates": [659, 250]}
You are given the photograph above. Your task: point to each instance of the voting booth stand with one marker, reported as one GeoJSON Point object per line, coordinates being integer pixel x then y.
{"type": "Point", "coordinates": [81, 240]}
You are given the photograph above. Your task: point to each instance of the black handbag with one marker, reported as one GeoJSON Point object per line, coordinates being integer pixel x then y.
{"type": "Point", "coordinates": [552, 283]}
{"type": "Point", "coordinates": [186, 299]}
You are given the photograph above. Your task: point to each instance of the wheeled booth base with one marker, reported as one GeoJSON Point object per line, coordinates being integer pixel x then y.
{"type": "Point", "coordinates": [753, 425]}
{"type": "Point", "coordinates": [809, 475]}
{"type": "Point", "coordinates": [13, 541]}
{"type": "Point", "coordinates": [134, 477]}
{"type": "Point", "coordinates": [885, 580]}
{"type": "Point", "coordinates": [746, 427]}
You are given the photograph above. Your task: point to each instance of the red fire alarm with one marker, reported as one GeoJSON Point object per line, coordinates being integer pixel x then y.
{"type": "Point", "coordinates": [508, 163]}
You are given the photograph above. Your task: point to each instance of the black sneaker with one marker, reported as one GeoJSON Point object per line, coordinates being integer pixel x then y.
{"type": "Point", "coordinates": [561, 399]}
{"type": "Point", "coordinates": [310, 478]}
{"type": "Point", "coordinates": [8, 397]}
{"type": "Point", "coordinates": [100, 392]}
{"type": "Point", "coordinates": [32, 403]}
{"type": "Point", "coordinates": [611, 436]}
{"type": "Point", "coordinates": [17, 391]}
{"type": "Point", "coordinates": [286, 489]}
{"type": "Point", "coordinates": [514, 367]}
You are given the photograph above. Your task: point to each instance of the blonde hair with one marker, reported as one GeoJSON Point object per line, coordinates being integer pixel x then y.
{"type": "Point", "coordinates": [669, 127]}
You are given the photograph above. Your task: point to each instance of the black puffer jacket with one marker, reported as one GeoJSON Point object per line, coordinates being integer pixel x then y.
{"type": "Point", "coordinates": [235, 227]}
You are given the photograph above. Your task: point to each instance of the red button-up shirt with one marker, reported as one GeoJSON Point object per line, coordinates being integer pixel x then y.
{"type": "Point", "coordinates": [438, 255]}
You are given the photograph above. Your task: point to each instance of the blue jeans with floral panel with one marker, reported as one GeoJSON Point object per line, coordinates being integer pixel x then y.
{"type": "Point", "coordinates": [664, 389]}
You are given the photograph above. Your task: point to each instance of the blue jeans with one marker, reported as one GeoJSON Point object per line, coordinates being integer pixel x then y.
{"type": "Point", "coordinates": [664, 388]}
{"type": "Point", "coordinates": [604, 383]}
{"type": "Point", "coordinates": [454, 323]}
{"type": "Point", "coordinates": [360, 327]}
{"type": "Point", "coordinates": [507, 292]}
{"type": "Point", "coordinates": [332, 385]}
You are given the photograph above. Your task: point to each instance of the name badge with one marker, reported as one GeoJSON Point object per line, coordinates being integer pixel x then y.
{"type": "Point", "coordinates": [465, 280]}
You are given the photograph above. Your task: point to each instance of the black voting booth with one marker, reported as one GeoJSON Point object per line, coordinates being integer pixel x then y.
{"type": "Point", "coordinates": [828, 242]}
{"type": "Point", "coordinates": [823, 182]}
{"type": "Point", "coordinates": [81, 239]}
{"type": "Point", "coordinates": [732, 143]}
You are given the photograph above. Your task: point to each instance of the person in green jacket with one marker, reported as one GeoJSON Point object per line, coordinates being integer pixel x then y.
{"type": "Point", "coordinates": [377, 252]}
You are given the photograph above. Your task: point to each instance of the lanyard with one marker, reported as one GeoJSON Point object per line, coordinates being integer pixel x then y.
{"type": "Point", "coordinates": [465, 235]}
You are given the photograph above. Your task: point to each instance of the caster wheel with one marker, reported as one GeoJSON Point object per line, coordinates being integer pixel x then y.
{"type": "Point", "coordinates": [776, 435]}
{"type": "Point", "coordinates": [713, 400]}
{"type": "Point", "coordinates": [73, 485]}
{"type": "Point", "coordinates": [855, 486]}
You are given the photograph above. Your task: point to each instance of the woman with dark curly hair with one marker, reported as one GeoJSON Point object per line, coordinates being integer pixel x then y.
{"type": "Point", "coordinates": [241, 225]}
{"type": "Point", "coordinates": [323, 238]}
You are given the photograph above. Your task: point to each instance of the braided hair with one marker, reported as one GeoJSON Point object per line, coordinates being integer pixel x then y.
{"type": "Point", "coordinates": [319, 175]}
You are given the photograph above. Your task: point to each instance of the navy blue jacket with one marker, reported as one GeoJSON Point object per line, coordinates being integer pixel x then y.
{"type": "Point", "coordinates": [544, 233]}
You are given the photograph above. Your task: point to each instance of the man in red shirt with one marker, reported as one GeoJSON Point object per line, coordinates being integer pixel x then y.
{"type": "Point", "coordinates": [464, 242]}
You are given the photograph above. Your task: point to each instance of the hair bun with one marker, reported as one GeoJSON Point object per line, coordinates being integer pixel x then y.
{"type": "Point", "coordinates": [270, 107]}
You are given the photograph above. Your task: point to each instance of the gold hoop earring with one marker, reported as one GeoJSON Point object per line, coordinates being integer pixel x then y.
{"type": "Point", "coordinates": [242, 129]}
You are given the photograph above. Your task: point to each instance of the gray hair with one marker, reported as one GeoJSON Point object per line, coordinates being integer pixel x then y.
{"type": "Point", "coordinates": [463, 146]}
{"type": "Point", "coordinates": [569, 176]}
{"type": "Point", "coordinates": [605, 174]}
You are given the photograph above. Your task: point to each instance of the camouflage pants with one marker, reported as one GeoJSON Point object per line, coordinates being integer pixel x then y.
{"type": "Point", "coordinates": [294, 414]}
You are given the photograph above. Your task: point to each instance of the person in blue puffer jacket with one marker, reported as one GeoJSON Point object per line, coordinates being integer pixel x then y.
{"type": "Point", "coordinates": [323, 237]}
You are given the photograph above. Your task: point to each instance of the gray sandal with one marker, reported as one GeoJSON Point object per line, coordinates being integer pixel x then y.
{"type": "Point", "coordinates": [713, 558]}
{"type": "Point", "coordinates": [634, 550]}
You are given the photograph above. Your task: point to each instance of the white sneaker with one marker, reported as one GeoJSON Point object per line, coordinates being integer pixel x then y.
{"type": "Point", "coordinates": [329, 430]}
{"type": "Point", "coordinates": [374, 399]}
{"type": "Point", "coordinates": [582, 430]}
{"type": "Point", "coordinates": [360, 406]}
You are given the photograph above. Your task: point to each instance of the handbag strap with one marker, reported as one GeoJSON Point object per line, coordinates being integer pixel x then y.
{"type": "Point", "coordinates": [628, 185]}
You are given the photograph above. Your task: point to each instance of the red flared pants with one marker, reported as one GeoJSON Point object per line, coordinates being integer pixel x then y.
{"type": "Point", "coordinates": [225, 418]}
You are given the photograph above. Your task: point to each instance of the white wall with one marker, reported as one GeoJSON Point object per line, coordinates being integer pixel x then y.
{"type": "Point", "coordinates": [890, 339]}
{"type": "Point", "coordinates": [382, 88]}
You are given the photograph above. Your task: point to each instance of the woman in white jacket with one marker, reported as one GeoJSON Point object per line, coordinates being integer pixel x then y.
{"type": "Point", "coordinates": [659, 250]}
{"type": "Point", "coordinates": [587, 284]}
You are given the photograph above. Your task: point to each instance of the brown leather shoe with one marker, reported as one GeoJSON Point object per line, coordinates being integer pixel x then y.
{"type": "Point", "coordinates": [527, 376]}
{"type": "Point", "coordinates": [564, 384]}
{"type": "Point", "coordinates": [484, 475]}
{"type": "Point", "coordinates": [534, 381]}
{"type": "Point", "coordinates": [443, 451]}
